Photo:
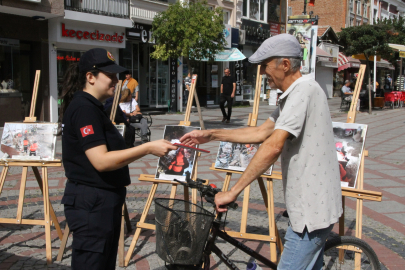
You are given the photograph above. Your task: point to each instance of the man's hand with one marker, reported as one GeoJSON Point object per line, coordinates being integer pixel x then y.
{"type": "Point", "coordinates": [196, 137]}
{"type": "Point", "coordinates": [223, 198]}
{"type": "Point", "coordinates": [232, 95]}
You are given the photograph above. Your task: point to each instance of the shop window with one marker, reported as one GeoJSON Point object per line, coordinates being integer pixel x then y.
{"type": "Point", "coordinates": [9, 66]}
{"type": "Point", "coordinates": [255, 9]}
{"type": "Point", "coordinates": [274, 11]}
{"type": "Point", "coordinates": [64, 59]}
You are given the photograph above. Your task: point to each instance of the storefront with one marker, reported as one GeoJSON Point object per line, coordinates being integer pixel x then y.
{"type": "Point", "coordinates": [253, 35]}
{"type": "Point", "coordinates": [68, 40]}
{"type": "Point", "coordinates": [348, 68]}
{"type": "Point", "coordinates": [22, 52]}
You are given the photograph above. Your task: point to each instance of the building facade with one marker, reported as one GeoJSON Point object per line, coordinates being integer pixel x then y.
{"type": "Point", "coordinates": [23, 50]}
{"type": "Point", "coordinates": [388, 9]}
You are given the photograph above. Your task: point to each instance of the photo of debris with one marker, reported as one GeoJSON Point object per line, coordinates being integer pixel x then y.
{"type": "Point", "coordinates": [28, 141]}
{"type": "Point", "coordinates": [178, 162]}
{"type": "Point", "coordinates": [236, 156]}
{"type": "Point", "coordinates": [349, 142]}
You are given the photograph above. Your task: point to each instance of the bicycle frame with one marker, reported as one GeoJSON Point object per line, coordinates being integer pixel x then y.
{"type": "Point", "coordinates": [211, 247]}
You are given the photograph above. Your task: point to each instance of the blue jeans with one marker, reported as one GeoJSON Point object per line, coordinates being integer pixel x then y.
{"type": "Point", "coordinates": [304, 250]}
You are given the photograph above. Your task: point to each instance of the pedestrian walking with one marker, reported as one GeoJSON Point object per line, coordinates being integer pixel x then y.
{"type": "Point", "coordinates": [228, 87]}
{"type": "Point", "coordinates": [300, 132]}
{"type": "Point", "coordinates": [131, 84]}
{"type": "Point", "coordinates": [95, 160]}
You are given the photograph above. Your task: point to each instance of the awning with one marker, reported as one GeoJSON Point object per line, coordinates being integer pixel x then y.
{"type": "Point", "coordinates": [228, 56]}
{"type": "Point", "coordinates": [397, 47]}
{"type": "Point", "coordinates": [345, 62]}
{"type": "Point", "coordinates": [323, 56]}
{"type": "Point", "coordinates": [385, 64]}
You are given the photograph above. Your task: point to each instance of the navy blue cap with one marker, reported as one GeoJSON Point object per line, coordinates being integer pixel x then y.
{"type": "Point", "coordinates": [100, 59]}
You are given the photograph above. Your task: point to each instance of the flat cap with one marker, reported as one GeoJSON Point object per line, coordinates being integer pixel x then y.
{"type": "Point", "coordinates": [283, 45]}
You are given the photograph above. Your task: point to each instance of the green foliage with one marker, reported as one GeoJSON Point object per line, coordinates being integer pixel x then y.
{"type": "Point", "coordinates": [397, 30]}
{"type": "Point", "coordinates": [189, 29]}
{"type": "Point", "coordinates": [366, 39]}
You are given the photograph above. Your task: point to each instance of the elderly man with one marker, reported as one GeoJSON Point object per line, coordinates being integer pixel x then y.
{"type": "Point", "coordinates": [300, 131]}
{"type": "Point", "coordinates": [347, 91]}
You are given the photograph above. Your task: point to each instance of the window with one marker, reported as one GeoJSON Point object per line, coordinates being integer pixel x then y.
{"type": "Point", "coordinates": [351, 22]}
{"type": "Point", "coordinates": [364, 10]}
{"type": "Point", "coordinates": [358, 5]}
{"type": "Point", "coordinates": [351, 8]}
{"type": "Point", "coordinates": [255, 9]}
{"type": "Point", "coordinates": [227, 16]}
{"type": "Point", "coordinates": [358, 23]}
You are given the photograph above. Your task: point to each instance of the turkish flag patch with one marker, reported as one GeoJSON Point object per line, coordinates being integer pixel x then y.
{"type": "Point", "coordinates": [87, 130]}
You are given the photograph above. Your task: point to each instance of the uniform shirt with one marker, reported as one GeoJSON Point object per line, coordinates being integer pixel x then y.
{"type": "Point", "coordinates": [86, 125]}
{"type": "Point", "coordinates": [309, 164]}
{"type": "Point", "coordinates": [227, 82]}
{"type": "Point", "coordinates": [126, 106]}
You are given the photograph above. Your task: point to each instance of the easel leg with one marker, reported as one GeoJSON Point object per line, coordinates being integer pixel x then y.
{"type": "Point", "coordinates": [227, 181]}
{"type": "Point", "coordinates": [3, 177]}
{"type": "Point", "coordinates": [342, 229]}
{"type": "Point", "coordinates": [121, 248]}
{"type": "Point", "coordinates": [143, 217]}
{"type": "Point", "coordinates": [272, 222]}
{"type": "Point", "coordinates": [22, 194]}
{"type": "Point", "coordinates": [126, 217]}
{"type": "Point", "coordinates": [63, 243]}
{"type": "Point", "coordinates": [46, 215]}
{"type": "Point", "coordinates": [53, 216]}
{"type": "Point", "coordinates": [245, 209]}
{"type": "Point", "coordinates": [359, 213]}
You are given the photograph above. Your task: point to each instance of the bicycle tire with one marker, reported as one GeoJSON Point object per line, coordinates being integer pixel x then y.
{"type": "Point", "coordinates": [369, 259]}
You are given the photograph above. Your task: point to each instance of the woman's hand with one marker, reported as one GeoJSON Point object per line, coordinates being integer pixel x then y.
{"type": "Point", "coordinates": [160, 148]}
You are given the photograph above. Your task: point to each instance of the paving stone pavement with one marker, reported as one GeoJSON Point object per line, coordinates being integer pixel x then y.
{"type": "Point", "coordinates": [23, 246]}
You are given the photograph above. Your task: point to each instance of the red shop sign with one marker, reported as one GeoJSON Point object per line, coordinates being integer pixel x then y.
{"type": "Point", "coordinates": [96, 35]}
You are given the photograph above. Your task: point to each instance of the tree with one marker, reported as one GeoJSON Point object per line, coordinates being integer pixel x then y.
{"type": "Point", "coordinates": [189, 29]}
{"type": "Point", "coordinates": [368, 40]}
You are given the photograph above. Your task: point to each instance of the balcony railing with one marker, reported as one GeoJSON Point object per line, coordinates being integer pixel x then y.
{"type": "Point", "coordinates": [112, 8]}
{"type": "Point", "coordinates": [143, 13]}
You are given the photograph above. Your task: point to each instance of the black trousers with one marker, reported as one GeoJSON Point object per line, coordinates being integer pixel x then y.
{"type": "Point", "coordinates": [229, 100]}
{"type": "Point", "coordinates": [94, 217]}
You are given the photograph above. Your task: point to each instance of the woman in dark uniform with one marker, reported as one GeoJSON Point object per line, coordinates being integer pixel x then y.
{"type": "Point", "coordinates": [95, 160]}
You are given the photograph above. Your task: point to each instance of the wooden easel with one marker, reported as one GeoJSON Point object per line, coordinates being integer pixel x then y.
{"type": "Point", "coordinates": [155, 182]}
{"type": "Point", "coordinates": [42, 182]}
{"type": "Point", "coordinates": [267, 195]}
{"type": "Point", "coordinates": [125, 214]}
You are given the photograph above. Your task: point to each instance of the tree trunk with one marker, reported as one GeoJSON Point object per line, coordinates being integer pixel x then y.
{"type": "Point", "coordinates": [197, 101]}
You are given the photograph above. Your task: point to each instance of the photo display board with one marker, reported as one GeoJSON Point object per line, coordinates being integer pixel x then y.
{"type": "Point", "coordinates": [236, 156]}
{"type": "Point", "coordinates": [177, 162]}
{"type": "Point", "coordinates": [349, 142]}
{"type": "Point", "coordinates": [28, 141]}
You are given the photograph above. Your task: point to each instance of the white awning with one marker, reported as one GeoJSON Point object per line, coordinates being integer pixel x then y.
{"type": "Point", "coordinates": [397, 47]}
{"type": "Point", "coordinates": [228, 56]}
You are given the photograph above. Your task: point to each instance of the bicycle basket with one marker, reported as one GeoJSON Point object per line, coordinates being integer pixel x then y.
{"type": "Point", "coordinates": [181, 231]}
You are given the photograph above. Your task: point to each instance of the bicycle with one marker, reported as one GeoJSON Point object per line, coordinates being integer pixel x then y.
{"type": "Point", "coordinates": [182, 237]}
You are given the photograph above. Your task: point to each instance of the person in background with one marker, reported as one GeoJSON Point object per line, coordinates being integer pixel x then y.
{"type": "Point", "coordinates": [131, 84]}
{"type": "Point", "coordinates": [388, 83]}
{"type": "Point", "coordinates": [346, 90]}
{"type": "Point", "coordinates": [96, 160]}
{"type": "Point", "coordinates": [228, 87]}
{"type": "Point", "coordinates": [187, 84]}
{"type": "Point", "coordinates": [131, 108]}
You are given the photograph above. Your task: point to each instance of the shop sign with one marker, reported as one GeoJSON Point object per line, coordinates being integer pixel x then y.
{"type": "Point", "coordinates": [9, 42]}
{"type": "Point", "coordinates": [228, 36]}
{"type": "Point", "coordinates": [256, 32]}
{"type": "Point", "coordinates": [302, 19]}
{"type": "Point", "coordinates": [95, 35]}
{"type": "Point", "coordinates": [141, 32]}
{"type": "Point", "coordinates": [402, 54]}
{"type": "Point", "coordinates": [68, 58]}
{"type": "Point", "coordinates": [239, 80]}
{"type": "Point", "coordinates": [274, 29]}
{"type": "Point", "coordinates": [173, 84]}
{"type": "Point", "coordinates": [333, 50]}
{"type": "Point", "coordinates": [235, 38]}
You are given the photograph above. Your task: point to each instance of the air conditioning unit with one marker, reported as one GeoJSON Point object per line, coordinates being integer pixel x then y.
{"type": "Point", "coordinates": [33, 1]}
{"type": "Point", "coordinates": [242, 37]}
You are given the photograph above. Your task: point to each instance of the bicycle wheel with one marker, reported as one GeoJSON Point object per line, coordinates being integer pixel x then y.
{"type": "Point", "coordinates": [347, 247]}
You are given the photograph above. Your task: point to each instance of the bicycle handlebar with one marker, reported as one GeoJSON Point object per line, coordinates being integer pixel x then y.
{"type": "Point", "coordinates": [207, 191]}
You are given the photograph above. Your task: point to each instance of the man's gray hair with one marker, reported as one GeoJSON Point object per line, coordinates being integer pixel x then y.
{"type": "Point", "coordinates": [295, 63]}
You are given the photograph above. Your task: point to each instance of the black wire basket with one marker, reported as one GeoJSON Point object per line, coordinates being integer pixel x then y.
{"type": "Point", "coordinates": [182, 230]}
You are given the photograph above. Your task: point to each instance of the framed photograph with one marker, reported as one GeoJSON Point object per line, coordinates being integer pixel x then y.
{"type": "Point", "coordinates": [236, 156]}
{"type": "Point", "coordinates": [349, 142]}
{"type": "Point", "coordinates": [28, 141]}
{"type": "Point", "coordinates": [121, 129]}
{"type": "Point", "coordinates": [178, 162]}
